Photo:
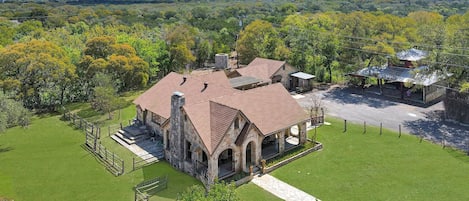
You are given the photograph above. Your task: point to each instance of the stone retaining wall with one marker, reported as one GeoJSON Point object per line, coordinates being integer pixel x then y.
{"type": "Point", "coordinates": [286, 161]}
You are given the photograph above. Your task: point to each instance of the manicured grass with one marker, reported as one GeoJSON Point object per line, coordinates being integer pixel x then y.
{"type": "Point", "coordinates": [46, 162]}
{"type": "Point", "coordinates": [252, 192]}
{"type": "Point", "coordinates": [357, 166]}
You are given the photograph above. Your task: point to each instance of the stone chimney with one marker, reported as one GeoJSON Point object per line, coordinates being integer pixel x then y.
{"type": "Point", "coordinates": [177, 130]}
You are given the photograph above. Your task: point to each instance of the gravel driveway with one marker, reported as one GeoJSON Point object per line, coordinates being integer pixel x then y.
{"type": "Point", "coordinates": [345, 103]}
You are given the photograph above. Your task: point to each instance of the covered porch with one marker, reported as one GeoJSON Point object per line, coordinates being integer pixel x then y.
{"type": "Point", "coordinates": [284, 140]}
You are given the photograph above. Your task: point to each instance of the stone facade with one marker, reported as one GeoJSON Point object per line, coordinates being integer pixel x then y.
{"type": "Point", "coordinates": [284, 73]}
{"type": "Point", "coordinates": [185, 150]}
{"type": "Point", "coordinates": [218, 132]}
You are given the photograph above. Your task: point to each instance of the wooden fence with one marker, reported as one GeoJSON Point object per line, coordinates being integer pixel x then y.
{"type": "Point", "coordinates": [82, 124]}
{"type": "Point", "coordinates": [142, 161]}
{"type": "Point", "coordinates": [110, 160]}
{"type": "Point", "coordinates": [146, 189]}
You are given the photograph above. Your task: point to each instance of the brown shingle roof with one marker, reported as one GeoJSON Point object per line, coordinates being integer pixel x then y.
{"type": "Point", "coordinates": [157, 99]}
{"type": "Point", "coordinates": [270, 108]}
{"type": "Point", "coordinates": [211, 121]}
{"type": "Point", "coordinates": [261, 68]}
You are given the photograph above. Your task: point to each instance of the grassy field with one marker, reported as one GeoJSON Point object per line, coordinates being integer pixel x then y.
{"type": "Point", "coordinates": [252, 192]}
{"type": "Point", "coordinates": [357, 166]}
{"type": "Point", "coordinates": [46, 162]}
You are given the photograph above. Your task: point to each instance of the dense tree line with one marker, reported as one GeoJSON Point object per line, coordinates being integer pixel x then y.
{"type": "Point", "coordinates": [51, 55]}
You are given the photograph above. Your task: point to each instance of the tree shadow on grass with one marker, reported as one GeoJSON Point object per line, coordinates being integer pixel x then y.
{"type": "Point", "coordinates": [88, 112]}
{"type": "Point", "coordinates": [350, 96]}
{"type": "Point", "coordinates": [5, 149]}
{"type": "Point", "coordinates": [458, 154]}
{"type": "Point", "coordinates": [434, 128]}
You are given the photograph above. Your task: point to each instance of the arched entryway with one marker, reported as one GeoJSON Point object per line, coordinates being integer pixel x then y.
{"type": "Point", "coordinates": [226, 164]}
{"type": "Point", "coordinates": [250, 154]}
{"type": "Point", "coordinates": [270, 146]}
{"type": "Point", "coordinates": [292, 137]}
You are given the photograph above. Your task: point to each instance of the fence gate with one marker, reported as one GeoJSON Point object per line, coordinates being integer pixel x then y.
{"type": "Point", "coordinates": [146, 189]}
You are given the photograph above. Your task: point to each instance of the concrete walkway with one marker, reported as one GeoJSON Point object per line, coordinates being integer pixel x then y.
{"type": "Point", "coordinates": [281, 189]}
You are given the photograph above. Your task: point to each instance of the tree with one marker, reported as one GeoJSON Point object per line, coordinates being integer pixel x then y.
{"type": "Point", "coordinates": [150, 48]}
{"type": "Point", "coordinates": [105, 98]}
{"type": "Point", "coordinates": [36, 72]}
{"type": "Point", "coordinates": [193, 193]}
{"type": "Point", "coordinates": [7, 33]}
{"type": "Point", "coordinates": [465, 87]}
{"type": "Point", "coordinates": [120, 61]}
{"type": "Point", "coordinates": [218, 191]}
{"type": "Point", "coordinates": [203, 51]}
{"type": "Point", "coordinates": [12, 113]}
{"type": "Point", "coordinates": [180, 40]}
{"type": "Point", "coordinates": [259, 39]}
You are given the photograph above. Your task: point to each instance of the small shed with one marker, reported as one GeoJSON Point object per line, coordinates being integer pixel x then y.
{"type": "Point", "coordinates": [301, 82]}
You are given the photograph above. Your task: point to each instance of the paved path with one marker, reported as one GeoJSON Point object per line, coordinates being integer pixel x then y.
{"type": "Point", "coordinates": [281, 189]}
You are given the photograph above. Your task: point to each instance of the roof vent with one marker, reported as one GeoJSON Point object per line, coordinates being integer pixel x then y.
{"type": "Point", "coordinates": [183, 80]}
{"type": "Point", "coordinates": [205, 86]}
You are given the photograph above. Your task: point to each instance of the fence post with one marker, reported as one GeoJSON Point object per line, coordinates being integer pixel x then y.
{"type": "Point", "coordinates": [380, 128]}
{"type": "Point", "coordinates": [105, 154]}
{"type": "Point", "coordinates": [95, 141]}
{"type": "Point", "coordinates": [133, 163]}
{"type": "Point", "coordinates": [345, 125]}
{"type": "Point", "coordinates": [364, 127]}
{"type": "Point", "coordinates": [315, 132]}
{"type": "Point", "coordinates": [130, 122]}
{"type": "Point", "coordinates": [399, 130]}
{"type": "Point", "coordinates": [121, 124]}
{"type": "Point", "coordinates": [109, 131]}
{"type": "Point", "coordinates": [467, 142]}
{"type": "Point", "coordinates": [122, 171]}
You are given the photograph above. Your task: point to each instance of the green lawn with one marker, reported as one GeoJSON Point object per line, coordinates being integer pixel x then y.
{"type": "Point", "coordinates": [252, 192]}
{"type": "Point", "coordinates": [46, 162]}
{"type": "Point", "coordinates": [357, 166]}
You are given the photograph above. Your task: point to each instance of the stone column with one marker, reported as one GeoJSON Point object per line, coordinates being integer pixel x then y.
{"type": "Point", "coordinates": [212, 169]}
{"type": "Point", "coordinates": [302, 132]}
{"type": "Point", "coordinates": [281, 142]}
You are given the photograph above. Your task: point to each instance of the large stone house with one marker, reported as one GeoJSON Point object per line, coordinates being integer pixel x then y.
{"type": "Point", "coordinates": [211, 130]}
